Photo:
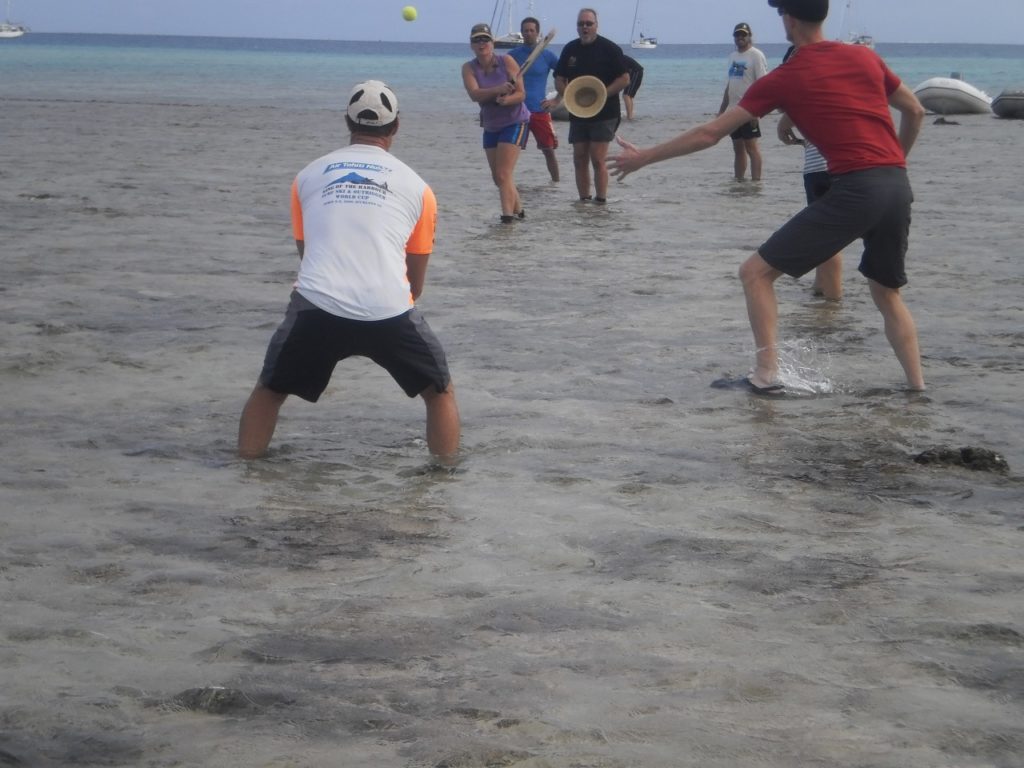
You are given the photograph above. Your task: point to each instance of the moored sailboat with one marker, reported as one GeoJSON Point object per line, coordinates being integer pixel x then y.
{"type": "Point", "coordinates": [639, 40]}
{"type": "Point", "coordinates": [10, 29]}
{"type": "Point", "coordinates": [502, 14]}
{"type": "Point", "coordinates": [851, 37]}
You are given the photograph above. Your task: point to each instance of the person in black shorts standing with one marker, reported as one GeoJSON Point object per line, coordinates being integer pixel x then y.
{"type": "Point", "coordinates": [363, 223]}
{"type": "Point", "coordinates": [840, 98]}
{"type": "Point", "coordinates": [746, 65]}
{"type": "Point", "coordinates": [592, 54]}
{"type": "Point", "coordinates": [636, 77]}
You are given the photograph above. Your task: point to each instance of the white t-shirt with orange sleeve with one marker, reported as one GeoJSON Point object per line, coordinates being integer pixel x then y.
{"type": "Point", "coordinates": [360, 210]}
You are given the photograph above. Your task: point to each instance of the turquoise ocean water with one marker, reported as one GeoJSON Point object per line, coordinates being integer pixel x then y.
{"type": "Point", "coordinates": [680, 79]}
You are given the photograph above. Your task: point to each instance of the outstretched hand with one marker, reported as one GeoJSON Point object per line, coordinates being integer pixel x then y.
{"type": "Point", "coordinates": [627, 161]}
{"type": "Point", "coordinates": [787, 135]}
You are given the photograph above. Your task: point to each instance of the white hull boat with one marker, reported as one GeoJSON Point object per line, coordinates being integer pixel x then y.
{"type": "Point", "coordinates": [504, 11]}
{"type": "Point", "coordinates": [952, 96]}
{"type": "Point", "coordinates": [1010, 103]}
{"type": "Point", "coordinates": [866, 40]}
{"type": "Point", "coordinates": [853, 37]}
{"type": "Point", "coordinates": [640, 41]}
{"type": "Point", "coordinates": [9, 29]}
{"type": "Point", "coordinates": [560, 112]}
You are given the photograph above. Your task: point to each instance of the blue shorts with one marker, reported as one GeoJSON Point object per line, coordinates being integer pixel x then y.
{"type": "Point", "coordinates": [310, 342]}
{"type": "Point", "coordinates": [873, 205]}
{"type": "Point", "coordinates": [517, 133]}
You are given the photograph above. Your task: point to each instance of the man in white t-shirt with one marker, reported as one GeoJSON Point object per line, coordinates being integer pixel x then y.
{"type": "Point", "coordinates": [746, 64]}
{"type": "Point", "coordinates": [364, 225]}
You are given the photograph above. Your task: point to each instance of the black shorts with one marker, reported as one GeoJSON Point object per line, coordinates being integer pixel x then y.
{"type": "Point", "coordinates": [747, 131]}
{"type": "Point", "coordinates": [593, 130]}
{"type": "Point", "coordinates": [635, 79]}
{"type": "Point", "coordinates": [873, 205]}
{"type": "Point", "coordinates": [310, 342]}
{"type": "Point", "coordinates": [816, 185]}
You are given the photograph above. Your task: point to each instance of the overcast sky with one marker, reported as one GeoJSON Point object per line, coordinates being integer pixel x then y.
{"type": "Point", "coordinates": [672, 21]}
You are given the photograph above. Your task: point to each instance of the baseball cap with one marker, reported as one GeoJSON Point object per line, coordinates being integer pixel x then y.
{"type": "Point", "coordinates": [372, 103]}
{"type": "Point", "coordinates": [805, 10]}
{"type": "Point", "coordinates": [742, 27]}
{"type": "Point", "coordinates": [479, 30]}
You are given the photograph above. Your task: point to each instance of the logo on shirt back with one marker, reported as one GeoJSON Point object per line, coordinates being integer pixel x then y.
{"type": "Point", "coordinates": [355, 186]}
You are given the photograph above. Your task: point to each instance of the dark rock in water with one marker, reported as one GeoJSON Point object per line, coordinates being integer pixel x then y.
{"type": "Point", "coordinates": [214, 699]}
{"type": "Point", "coordinates": [218, 700]}
{"type": "Point", "coordinates": [981, 459]}
{"type": "Point", "coordinates": [7, 758]}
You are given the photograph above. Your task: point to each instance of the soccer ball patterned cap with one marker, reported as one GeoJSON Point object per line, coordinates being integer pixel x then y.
{"type": "Point", "coordinates": [373, 103]}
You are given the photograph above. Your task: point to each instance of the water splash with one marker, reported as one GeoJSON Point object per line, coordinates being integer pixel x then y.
{"type": "Point", "coordinates": [803, 367]}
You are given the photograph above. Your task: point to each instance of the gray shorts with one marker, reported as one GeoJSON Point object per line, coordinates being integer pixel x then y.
{"type": "Point", "coordinates": [593, 130]}
{"type": "Point", "coordinates": [873, 205]}
{"type": "Point", "coordinates": [310, 342]}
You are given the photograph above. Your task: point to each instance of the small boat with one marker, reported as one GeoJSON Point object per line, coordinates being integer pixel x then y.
{"type": "Point", "coordinates": [854, 38]}
{"type": "Point", "coordinates": [952, 96]}
{"type": "Point", "coordinates": [560, 112]}
{"type": "Point", "coordinates": [1009, 103]}
{"type": "Point", "coordinates": [503, 11]}
{"type": "Point", "coordinates": [9, 29]}
{"type": "Point", "coordinates": [644, 43]}
{"type": "Point", "coordinates": [640, 41]}
{"type": "Point", "coordinates": [866, 40]}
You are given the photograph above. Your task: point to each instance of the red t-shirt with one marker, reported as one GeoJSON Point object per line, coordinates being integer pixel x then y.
{"type": "Point", "coordinates": [838, 97]}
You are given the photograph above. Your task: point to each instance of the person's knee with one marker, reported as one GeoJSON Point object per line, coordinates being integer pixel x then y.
{"type": "Point", "coordinates": [754, 270]}
{"type": "Point", "coordinates": [431, 394]}
{"type": "Point", "coordinates": [885, 298]}
{"type": "Point", "coordinates": [263, 395]}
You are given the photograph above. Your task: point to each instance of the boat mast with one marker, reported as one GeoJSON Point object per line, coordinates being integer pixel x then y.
{"type": "Point", "coordinates": [844, 29]}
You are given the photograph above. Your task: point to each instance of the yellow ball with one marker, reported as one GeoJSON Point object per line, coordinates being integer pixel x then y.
{"type": "Point", "coordinates": [409, 13]}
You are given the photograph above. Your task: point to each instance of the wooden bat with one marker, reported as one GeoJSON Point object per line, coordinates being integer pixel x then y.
{"type": "Point", "coordinates": [537, 49]}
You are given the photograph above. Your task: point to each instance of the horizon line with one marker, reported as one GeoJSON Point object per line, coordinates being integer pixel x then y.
{"type": "Point", "coordinates": [459, 42]}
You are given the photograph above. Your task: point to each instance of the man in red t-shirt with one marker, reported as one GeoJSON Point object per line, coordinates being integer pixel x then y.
{"type": "Point", "coordinates": [838, 96]}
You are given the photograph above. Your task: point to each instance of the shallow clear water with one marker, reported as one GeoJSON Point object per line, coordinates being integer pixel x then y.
{"type": "Point", "coordinates": [628, 567]}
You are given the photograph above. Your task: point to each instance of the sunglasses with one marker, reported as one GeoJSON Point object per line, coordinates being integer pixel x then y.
{"type": "Point", "coordinates": [480, 39]}
{"type": "Point", "coordinates": [741, 34]}
{"type": "Point", "coordinates": [586, 23]}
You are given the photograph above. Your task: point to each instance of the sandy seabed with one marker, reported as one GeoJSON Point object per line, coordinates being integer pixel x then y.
{"type": "Point", "coordinates": [627, 568]}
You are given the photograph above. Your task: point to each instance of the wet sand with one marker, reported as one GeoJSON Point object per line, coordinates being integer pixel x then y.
{"type": "Point", "coordinates": [627, 568]}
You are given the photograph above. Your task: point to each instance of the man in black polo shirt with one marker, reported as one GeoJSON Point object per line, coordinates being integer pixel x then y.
{"type": "Point", "coordinates": [594, 55]}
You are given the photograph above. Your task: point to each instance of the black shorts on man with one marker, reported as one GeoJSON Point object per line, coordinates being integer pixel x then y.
{"type": "Point", "coordinates": [593, 130]}
{"type": "Point", "coordinates": [747, 131]}
{"type": "Point", "coordinates": [309, 343]}
{"type": "Point", "coordinates": [873, 204]}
